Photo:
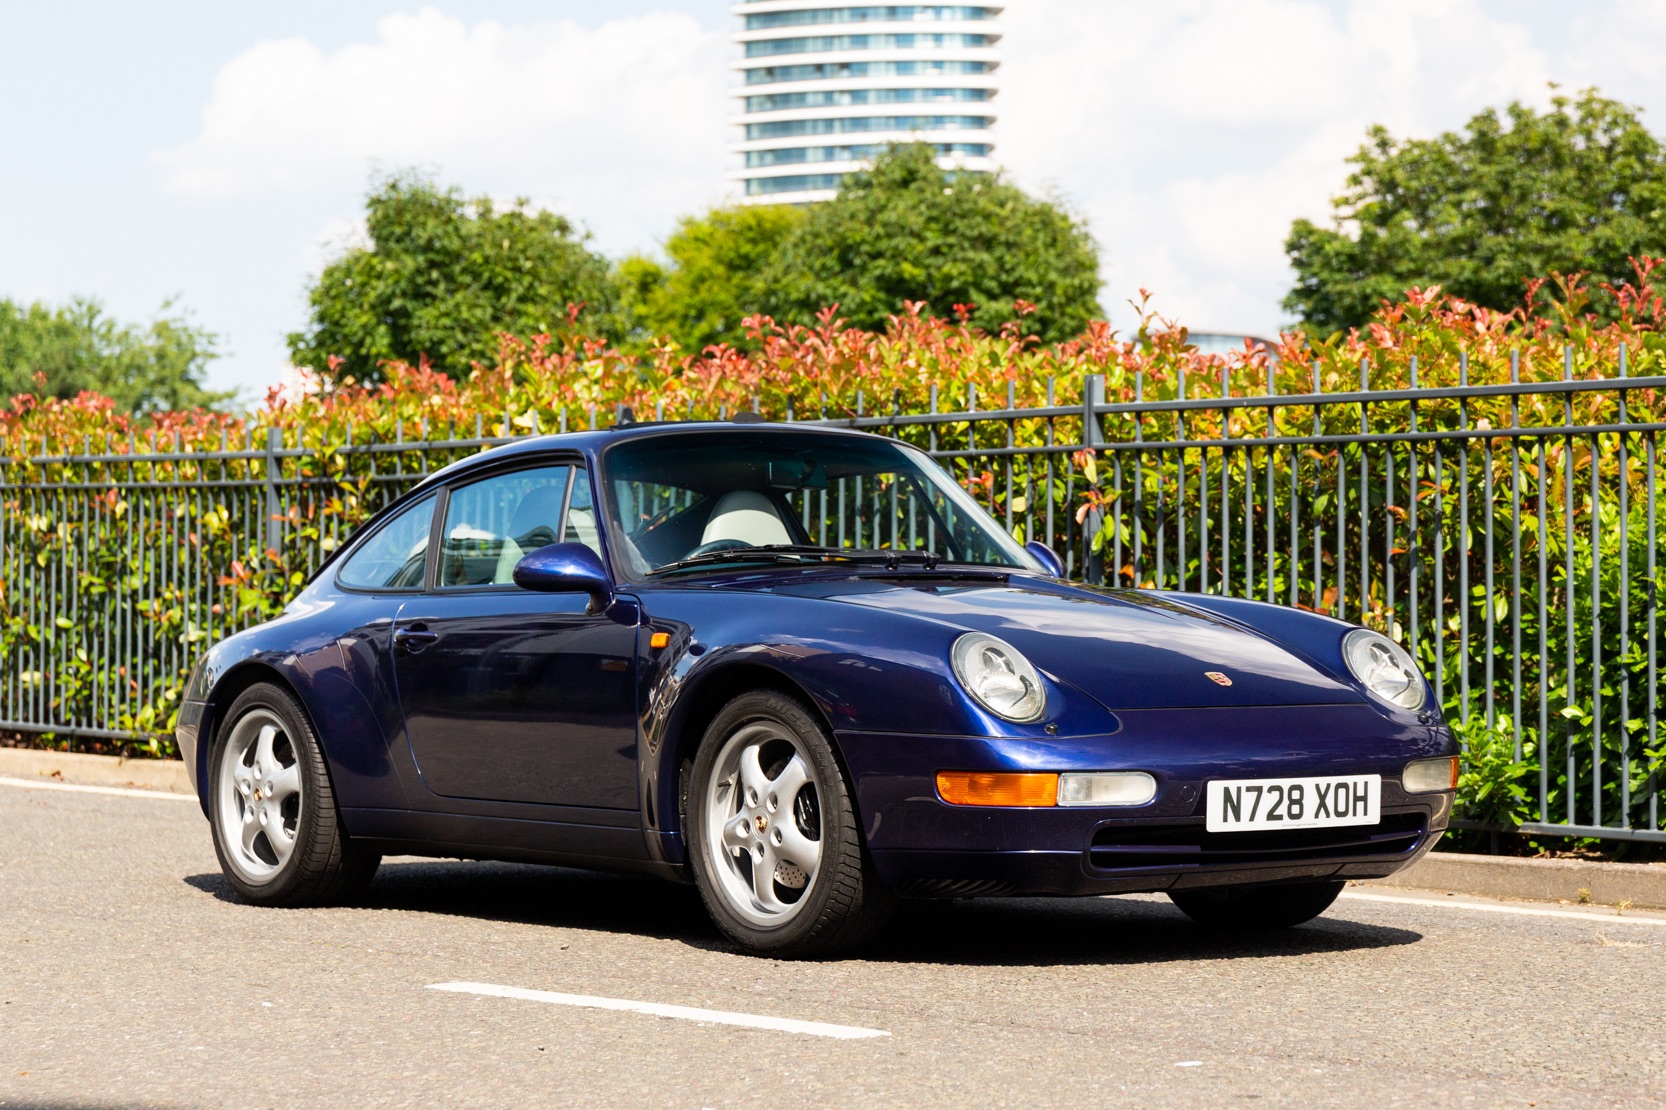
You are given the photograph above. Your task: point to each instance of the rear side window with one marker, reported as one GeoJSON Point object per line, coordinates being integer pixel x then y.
{"type": "Point", "coordinates": [396, 556]}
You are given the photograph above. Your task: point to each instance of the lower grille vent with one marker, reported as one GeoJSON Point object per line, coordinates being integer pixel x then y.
{"type": "Point", "coordinates": [956, 888]}
{"type": "Point", "coordinates": [1192, 846]}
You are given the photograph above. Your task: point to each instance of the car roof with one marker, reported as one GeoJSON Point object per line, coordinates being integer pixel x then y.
{"type": "Point", "coordinates": [593, 442]}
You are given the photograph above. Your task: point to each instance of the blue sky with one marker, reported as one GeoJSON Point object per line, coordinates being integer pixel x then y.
{"type": "Point", "coordinates": [218, 153]}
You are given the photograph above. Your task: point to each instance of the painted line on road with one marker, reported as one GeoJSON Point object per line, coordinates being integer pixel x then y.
{"type": "Point", "coordinates": [658, 1009]}
{"type": "Point", "coordinates": [1520, 911]}
{"type": "Point", "coordinates": [118, 791]}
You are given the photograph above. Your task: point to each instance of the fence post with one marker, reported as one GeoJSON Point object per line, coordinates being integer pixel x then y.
{"type": "Point", "coordinates": [1093, 435]}
{"type": "Point", "coordinates": [274, 506]}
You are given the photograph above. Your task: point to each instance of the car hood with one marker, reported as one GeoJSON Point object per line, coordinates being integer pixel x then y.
{"type": "Point", "coordinates": [1128, 649]}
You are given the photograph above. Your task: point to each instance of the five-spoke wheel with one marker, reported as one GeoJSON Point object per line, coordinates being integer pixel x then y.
{"type": "Point", "coordinates": [764, 820]}
{"type": "Point", "coordinates": [777, 851]}
{"type": "Point", "coordinates": [260, 788]}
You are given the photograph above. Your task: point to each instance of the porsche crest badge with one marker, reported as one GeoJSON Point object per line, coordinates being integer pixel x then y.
{"type": "Point", "coordinates": [1217, 678]}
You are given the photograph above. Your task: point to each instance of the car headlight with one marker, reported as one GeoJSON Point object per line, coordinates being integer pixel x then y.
{"type": "Point", "coordinates": [1384, 668]}
{"type": "Point", "coordinates": [999, 677]}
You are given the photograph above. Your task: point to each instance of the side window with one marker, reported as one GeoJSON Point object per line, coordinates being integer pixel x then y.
{"type": "Point", "coordinates": [491, 523]}
{"type": "Point", "coordinates": [396, 556]}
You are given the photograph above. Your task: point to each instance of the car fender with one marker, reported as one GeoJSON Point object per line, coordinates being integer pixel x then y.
{"type": "Point", "coordinates": [336, 678]}
{"type": "Point", "coordinates": [879, 674]}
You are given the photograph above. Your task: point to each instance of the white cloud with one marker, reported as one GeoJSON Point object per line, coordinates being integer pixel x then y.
{"type": "Point", "coordinates": [618, 125]}
{"type": "Point", "coordinates": [1192, 133]}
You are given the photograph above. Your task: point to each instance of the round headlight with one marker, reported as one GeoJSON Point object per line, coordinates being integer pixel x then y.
{"type": "Point", "coordinates": [1384, 667]}
{"type": "Point", "coordinates": [998, 676]}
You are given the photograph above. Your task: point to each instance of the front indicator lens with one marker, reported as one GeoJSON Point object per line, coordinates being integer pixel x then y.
{"type": "Point", "coordinates": [994, 788]}
{"type": "Point", "coordinates": [1424, 776]}
{"type": "Point", "coordinates": [1107, 788]}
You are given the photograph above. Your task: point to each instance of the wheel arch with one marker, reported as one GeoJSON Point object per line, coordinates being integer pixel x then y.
{"type": "Point", "coordinates": [695, 709]}
{"type": "Point", "coordinates": [229, 687]}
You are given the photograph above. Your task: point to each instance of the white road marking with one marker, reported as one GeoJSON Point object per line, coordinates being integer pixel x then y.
{"type": "Point", "coordinates": [658, 1009]}
{"type": "Point", "coordinates": [119, 791]}
{"type": "Point", "coordinates": [1493, 907]}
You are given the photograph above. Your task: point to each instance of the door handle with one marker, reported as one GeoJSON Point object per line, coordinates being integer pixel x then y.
{"type": "Point", "coordinates": [413, 638]}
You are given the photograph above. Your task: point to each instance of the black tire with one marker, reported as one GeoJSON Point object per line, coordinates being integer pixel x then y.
{"type": "Point", "coordinates": [1256, 909]}
{"type": "Point", "coordinates": [323, 867]}
{"type": "Point", "coordinates": [843, 905]}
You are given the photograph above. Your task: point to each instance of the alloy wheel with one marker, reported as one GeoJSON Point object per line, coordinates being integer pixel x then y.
{"type": "Point", "coordinates": [260, 795]}
{"type": "Point", "coordinates": [763, 823]}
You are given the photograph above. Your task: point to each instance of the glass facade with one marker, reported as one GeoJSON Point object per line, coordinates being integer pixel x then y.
{"type": "Point", "coordinates": [799, 183]}
{"type": "Point", "coordinates": [838, 98]}
{"type": "Point", "coordinates": [859, 152]}
{"type": "Point", "coordinates": [778, 129]}
{"type": "Point", "coordinates": [949, 61]}
{"type": "Point", "coordinates": [827, 44]}
{"type": "Point", "coordinates": [886, 13]}
{"type": "Point", "coordinates": [845, 71]}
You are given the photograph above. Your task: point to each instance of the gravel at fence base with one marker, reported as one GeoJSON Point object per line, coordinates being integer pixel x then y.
{"type": "Point", "coordinates": [95, 770]}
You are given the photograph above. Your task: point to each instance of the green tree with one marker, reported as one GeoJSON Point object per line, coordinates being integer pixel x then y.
{"type": "Point", "coordinates": [715, 279]}
{"type": "Point", "coordinates": [58, 352]}
{"type": "Point", "coordinates": [443, 276]}
{"type": "Point", "coordinates": [1581, 187]}
{"type": "Point", "coordinates": [908, 230]}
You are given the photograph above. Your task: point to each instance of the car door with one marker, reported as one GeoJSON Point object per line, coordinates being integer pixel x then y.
{"type": "Point", "coordinates": [510, 695]}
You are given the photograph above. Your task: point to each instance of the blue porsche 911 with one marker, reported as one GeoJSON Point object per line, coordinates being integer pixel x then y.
{"type": "Point", "coordinates": [804, 670]}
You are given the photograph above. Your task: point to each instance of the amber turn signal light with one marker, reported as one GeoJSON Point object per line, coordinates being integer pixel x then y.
{"type": "Point", "coordinates": [997, 788]}
{"type": "Point", "coordinates": [659, 640]}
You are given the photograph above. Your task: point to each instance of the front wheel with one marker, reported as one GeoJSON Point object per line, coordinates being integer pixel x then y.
{"type": "Point", "coordinates": [1254, 909]}
{"type": "Point", "coordinates": [276, 829]}
{"type": "Point", "coordinates": [774, 837]}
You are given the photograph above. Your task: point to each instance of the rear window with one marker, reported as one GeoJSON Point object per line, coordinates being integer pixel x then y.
{"type": "Point", "coordinates": [395, 557]}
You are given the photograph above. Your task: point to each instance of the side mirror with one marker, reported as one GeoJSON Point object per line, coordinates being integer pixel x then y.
{"type": "Point", "coordinates": [565, 568]}
{"type": "Point", "coordinates": [1043, 554]}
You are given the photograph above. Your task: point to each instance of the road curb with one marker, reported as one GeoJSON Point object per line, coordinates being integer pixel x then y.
{"type": "Point", "coordinates": [163, 775]}
{"type": "Point", "coordinates": [1642, 885]}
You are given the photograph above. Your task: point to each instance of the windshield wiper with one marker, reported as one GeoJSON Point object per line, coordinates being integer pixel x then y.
{"type": "Point", "coordinates": [790, 552]}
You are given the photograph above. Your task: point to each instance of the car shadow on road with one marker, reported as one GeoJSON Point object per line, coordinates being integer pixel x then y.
{"type": "Point", "coordinates": [1028, 932]}
{"type": "Point", "coordinates": [1016, 932]}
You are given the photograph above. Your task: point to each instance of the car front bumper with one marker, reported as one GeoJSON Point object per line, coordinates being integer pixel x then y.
{"type": "Point", "coordinates": [924, 847]}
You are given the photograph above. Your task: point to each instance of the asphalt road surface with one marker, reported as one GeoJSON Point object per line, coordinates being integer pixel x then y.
{"type": "Point", "coordinates": [130, 976]}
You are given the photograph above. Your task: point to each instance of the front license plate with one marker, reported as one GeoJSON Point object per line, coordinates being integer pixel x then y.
{"type": "Point", "coordinates": [1243, 805]}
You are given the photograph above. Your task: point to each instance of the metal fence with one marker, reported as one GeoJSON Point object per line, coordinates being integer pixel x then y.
{"type": "Point", "coordinates": [1508, 533]}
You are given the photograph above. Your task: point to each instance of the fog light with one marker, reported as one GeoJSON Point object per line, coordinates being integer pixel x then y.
{"type": "Point", "coordinates": [1107, 788]}
{"type": "Point", "coordinates": [1425, 775]}
{"type": "Point", "coordinates": [992, 788]}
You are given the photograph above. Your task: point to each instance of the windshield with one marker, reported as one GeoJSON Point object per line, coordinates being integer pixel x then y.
{"type": "Point", "coordinates": [719, 499]}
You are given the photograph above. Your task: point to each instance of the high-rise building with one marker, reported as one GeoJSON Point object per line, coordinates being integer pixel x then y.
{"type": "Point", "coordinates": [826, 85]}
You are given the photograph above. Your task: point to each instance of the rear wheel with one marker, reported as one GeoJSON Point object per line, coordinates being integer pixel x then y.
{"type": "Point", "coordinates": [774, 837]}
{"type": "Point", "coordinates": [276, 829]}
{"type": "Point", "coordinates": [1251, 909]}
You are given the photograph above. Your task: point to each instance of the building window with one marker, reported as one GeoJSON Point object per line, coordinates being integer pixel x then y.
{"type": "Point", "coordinates": [839, 98]}
{"type": "Point", "coordinates": [801, 155]}
{"type": "Point", "coordinates": [800, 183]}
{"type": "Point", "coordinates": [780, 129]}
{"type": "Point", "coordinates": [822, 44]}
{"type": "Point", "coordinates": [893, 13]}
{"type": "Point", "coordinates": [838, 71]}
